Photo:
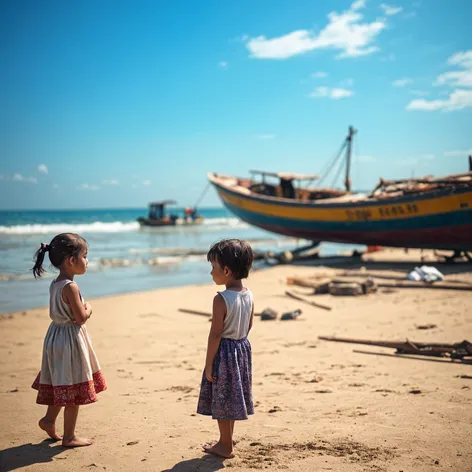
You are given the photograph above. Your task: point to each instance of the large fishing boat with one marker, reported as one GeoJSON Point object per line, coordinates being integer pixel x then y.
{"type": "Point", "coordinates": [426, 212]}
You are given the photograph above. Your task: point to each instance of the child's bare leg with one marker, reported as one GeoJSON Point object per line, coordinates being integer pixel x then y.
{"type": "Point", "coordinates": [224, 447]}
{"type": "Point", "coordinates": [70, 420]}
{"type": "Point", "coordinates": [212, 443]}
{"type": "Point", "coordinates": [48, 423]}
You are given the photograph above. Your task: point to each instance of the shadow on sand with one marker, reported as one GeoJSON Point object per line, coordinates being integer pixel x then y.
{"type": "Point", "coordinates": [207, 463]}
{"type": "Point", "coordinates": [18, 457]}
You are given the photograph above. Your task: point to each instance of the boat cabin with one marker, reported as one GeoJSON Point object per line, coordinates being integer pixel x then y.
{"type": "Point", "coordinates": [289, 185]}
{"type": "Point", "coordinates": [157, 210]}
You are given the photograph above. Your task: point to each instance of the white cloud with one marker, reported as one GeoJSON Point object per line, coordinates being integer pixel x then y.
{"type": "Point", "coordinates": [344, 31]}
{"type": "Point", "coordinates": [333, 93]}
{"type": "Point", "coordinates": [366, 159]}
{"type": "Point", "coordinates": [42, 168]}
{"type": "Point", "coordinates": [110, 182]}
{"type": "Point", "coordinates": [390, 10]}
{"type": "Point", "coordinates": [402, 82]}
{"type": "Point", "coordinates": [266, 136]}
{"type": "Point", "coordinates": [457, 100]}
{"type": "Point", "coordinates": [458, 153]}
{"type": "Point", "coordinates": [147, 182]}
{"type": "Point", "coordinates": [223, 65]}
{"type": "Point", "coordinates": [88, 187]}
{"type": "Point", "coordinates": [319, 75]}
{"type": "Point", "coordinates": [458, 78]}
{"type": "Point", "coordinates": [358, 4]}
{"type": "Point", "coordinates": [21, 178]}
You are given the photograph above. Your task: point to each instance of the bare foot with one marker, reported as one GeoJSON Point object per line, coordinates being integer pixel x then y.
{"type": "Point", "coordinates": [76, 442]}
{"type": "Point", "coordinates": [219, 450]}
{"type": "Point", "coordinates": [212, 443]}
{"type": "Point", "coordinates": [47, 425]}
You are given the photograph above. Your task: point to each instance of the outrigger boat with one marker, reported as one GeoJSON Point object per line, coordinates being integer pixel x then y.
{"type": "Point", "coordinates": [433, 213]}
{"type": "Point", "coordinates": [158, 216]}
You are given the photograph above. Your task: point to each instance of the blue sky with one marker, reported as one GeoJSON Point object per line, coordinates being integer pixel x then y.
{"type": "Point", "coordinates": [116, 103]}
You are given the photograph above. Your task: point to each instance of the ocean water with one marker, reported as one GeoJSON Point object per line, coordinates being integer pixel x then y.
{"type": "Point", "coordinates": [122, 256]}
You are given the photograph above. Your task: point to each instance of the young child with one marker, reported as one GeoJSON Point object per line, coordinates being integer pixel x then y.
{"type": "Point", "coordinates": [70, 374]}
{"type": "Point", "coordinates": [226, 389]}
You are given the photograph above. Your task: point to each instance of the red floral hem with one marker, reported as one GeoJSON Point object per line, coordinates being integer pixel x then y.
{"type": "Point", "coordinates": [70, 395]}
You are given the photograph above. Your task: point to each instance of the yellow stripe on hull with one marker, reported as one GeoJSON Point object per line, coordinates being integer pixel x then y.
{"type": "Point", "coordinates": [353, 212]}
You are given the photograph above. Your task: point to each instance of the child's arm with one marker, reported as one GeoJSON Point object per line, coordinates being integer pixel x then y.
{"type": "Point", "coordinates": [251, 319]}
{"type": "Point", "coordinates": [214, 338]}
{"type": "Point", "coordinates": [71, 296]}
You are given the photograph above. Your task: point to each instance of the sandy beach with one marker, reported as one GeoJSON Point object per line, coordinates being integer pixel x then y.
{"type": "Point", "coordinates": [319, 405]}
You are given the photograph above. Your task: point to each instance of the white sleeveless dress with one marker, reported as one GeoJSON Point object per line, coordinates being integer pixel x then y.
{"type": "Point", "coordinates": [70, 373]}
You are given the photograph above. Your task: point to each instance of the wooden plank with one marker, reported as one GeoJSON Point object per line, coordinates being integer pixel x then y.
{"type": "Point", "coordinates": [423, 285]}
{"type": "Point", "coordinates": [309, 302]}
{"type": "Point", "coordinates": [194, 312]}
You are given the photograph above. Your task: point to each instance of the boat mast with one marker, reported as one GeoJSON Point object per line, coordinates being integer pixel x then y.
{"type": "Point", "coordinates": [347, 181]}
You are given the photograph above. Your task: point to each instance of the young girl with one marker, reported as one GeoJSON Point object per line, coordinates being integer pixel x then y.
{"type": "Point", "coordinates": [70, 374]}
{"type": "Point", "coordinates": [226, 389]}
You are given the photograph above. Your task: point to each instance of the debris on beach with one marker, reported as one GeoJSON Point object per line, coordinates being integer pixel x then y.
{"type": "Point", "coordinates": [291, 315]}
{"type": "Point", "coordinates": [195, 312]}
{"type": "Point", "coordinates": [426, 326]}
{"type": "Point", "coordinates": [268, 315]}
{"type": "Point", "coordinates": [455, 351]}
{"type": "Point", "coordinates": [336, 286]}
{"type": "Point", "coordinates": [363, 282]}
{"type": "Point", "coordinates": [309, 302]}
{"type": "Point", "coordinates": [425, 274]}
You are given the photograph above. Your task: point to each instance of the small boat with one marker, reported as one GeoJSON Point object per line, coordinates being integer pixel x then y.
{"type": "Point", "coordinates": [434, 213]}
{"type": "Point", "coordinates": [159, 217]}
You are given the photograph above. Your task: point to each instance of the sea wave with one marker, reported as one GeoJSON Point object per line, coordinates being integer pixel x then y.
{"type": "Point", "coordinates": [106, 227]}
{"type": "Point", "coordinates": [95, 227]}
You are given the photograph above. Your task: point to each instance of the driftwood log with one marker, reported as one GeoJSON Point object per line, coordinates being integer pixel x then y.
{"type": "Point", "coordinates": [318, 284]}
{"type": "Point", "coordinates": [309, 302]}
{"type": "Point", "coordinates": [195, 312]}
{"type": "Point", "coordinates": [454, 351]}
{"type": "Point", "coordinates": [435, 285]}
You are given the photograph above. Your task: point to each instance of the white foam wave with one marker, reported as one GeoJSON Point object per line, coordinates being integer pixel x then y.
{"type": "Point", "coordinates": [96, 227]}
{"type": "Point", "coordinates": [103, 227]}
{"type": "Point", "coordinates": [223, 222]}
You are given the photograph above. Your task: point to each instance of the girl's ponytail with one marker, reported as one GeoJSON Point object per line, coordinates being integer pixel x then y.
{"type": "Point", "coordinates": [38, 260]}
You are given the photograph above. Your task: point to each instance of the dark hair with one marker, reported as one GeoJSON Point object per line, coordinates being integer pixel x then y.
{"type": "Point", "coordinates": [234, 254]}
{"type": "Point", "coordinates": [61, 247]}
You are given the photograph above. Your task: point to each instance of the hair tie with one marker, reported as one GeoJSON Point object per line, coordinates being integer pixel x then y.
{"type": "Point", "coordinates": [44, 247]}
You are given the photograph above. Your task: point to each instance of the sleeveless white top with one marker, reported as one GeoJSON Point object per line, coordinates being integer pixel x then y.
{"type": "Point", "coordinates": [238, 313]}
{"type": "Point", "coordinates": [59, 311]}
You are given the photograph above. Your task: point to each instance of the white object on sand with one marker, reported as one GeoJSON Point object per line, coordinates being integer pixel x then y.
{"type": "Point", "coordinates": [425, 273]}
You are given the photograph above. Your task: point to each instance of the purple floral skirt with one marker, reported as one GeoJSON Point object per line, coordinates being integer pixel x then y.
{"type": "Point", "coordinates": [230, 397]}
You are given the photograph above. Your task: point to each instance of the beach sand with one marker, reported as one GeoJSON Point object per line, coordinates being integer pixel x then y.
{"type": "Point", "coordinates": [319, 405]}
